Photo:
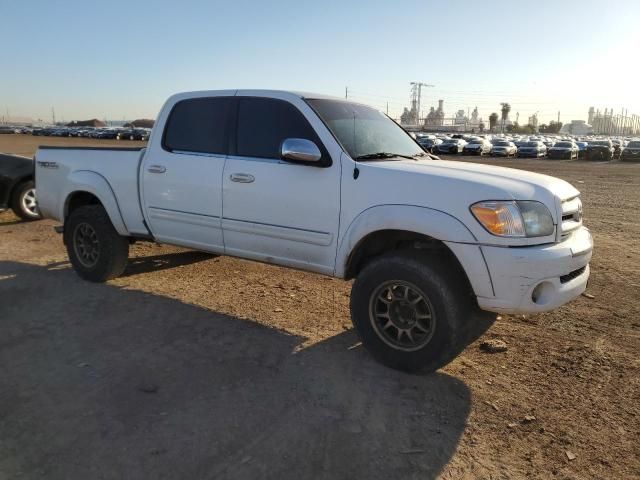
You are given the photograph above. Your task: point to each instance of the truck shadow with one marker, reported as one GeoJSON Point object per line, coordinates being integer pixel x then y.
{"type": "Point", "coordinates": [103, 382]}
{"type": "Point", "coordinates": [153, 263]}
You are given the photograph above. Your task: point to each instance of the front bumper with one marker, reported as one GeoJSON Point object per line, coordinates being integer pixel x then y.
{"type": "Point", "coordinates": [559, 154]}
{"type": "Point", "coordinates": [540, 278]}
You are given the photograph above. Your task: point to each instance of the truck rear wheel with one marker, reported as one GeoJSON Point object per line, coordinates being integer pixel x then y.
{"type": "Point", "coordinates": [96, 250]}
{"type": "Point", "coordinates": [410, 312]}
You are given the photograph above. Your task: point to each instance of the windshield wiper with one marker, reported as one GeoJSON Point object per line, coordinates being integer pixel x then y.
{"type": "Point", "coordinates": [382, 156]}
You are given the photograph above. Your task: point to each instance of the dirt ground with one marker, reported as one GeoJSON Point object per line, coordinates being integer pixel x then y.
{"type": "Point", "coordinates": [193, 366]}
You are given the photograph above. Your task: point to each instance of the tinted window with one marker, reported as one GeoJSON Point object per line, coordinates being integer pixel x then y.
{"type": "Point", "coordinates": [198, 125]}
{"type": "Point", "coordinates": [263, 124]}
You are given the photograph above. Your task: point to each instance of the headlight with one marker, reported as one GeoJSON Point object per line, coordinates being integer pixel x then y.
{"type": "Point", "coordinates": [514, 218]}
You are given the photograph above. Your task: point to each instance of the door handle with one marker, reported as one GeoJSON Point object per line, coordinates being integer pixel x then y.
{"type": "Point", "coordinates": [156, 169]}
{"type": "Point", "coordinates": [242, 178]}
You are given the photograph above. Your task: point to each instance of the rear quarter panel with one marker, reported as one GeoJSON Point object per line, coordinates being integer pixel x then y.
{"type": "Point", "coordinates": [104, 172]}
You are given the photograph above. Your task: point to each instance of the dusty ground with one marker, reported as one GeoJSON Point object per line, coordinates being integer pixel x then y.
{"type": "Point", "coordinates": [192, 366]}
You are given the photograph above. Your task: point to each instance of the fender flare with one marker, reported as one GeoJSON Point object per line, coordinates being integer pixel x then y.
{"type": "Point", "coordinates": [426, 221]}
{"type": "Point", "coordinates": [96, 184]}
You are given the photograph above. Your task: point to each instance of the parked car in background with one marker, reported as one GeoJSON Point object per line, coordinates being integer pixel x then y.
{"type": "Point", "coordinates": [631, 152]}
{"type": "Point", "coordinates": [503, 148]}
{"type": "Point", "coordinates": [602, 150]}
{"type": "Point", "coordinates": [477, 146]}
{"type": "Point", "coordinates": [17, 187]}
{"type": "Point", "coordinates": [141, 134]}
{"type": "Point", "coordinates": [451, 145]}
{"type": "Point", "coordinates": [582, 149]}
{"type": "Point", "coordinates": [427, 242]}
{"type": "Point", "coordinates": [618, 146]}
{"type": "Point", "coordinates": [532, 149]}
{"type": "Point", "coordinates": [563, 150]}
{"type": "Point", "coordinates": [128, 134]}
{"type": "Point", "coordinates": [427, 143]}
{"type": "Point", "coordinates": [549, 143]}
{"type": "Point", "coordinates": [107, 133]}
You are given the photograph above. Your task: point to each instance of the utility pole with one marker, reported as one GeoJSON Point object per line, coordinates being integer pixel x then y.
{"type": "Point", "coordinates": [558, 116]}
{"type": "Point", "coordinates": [387, 109]}
{"type": "Point", "coordinates": [416, 94]}
{"type": "Point", "coordinates": [53, 115]}
{"type": "Point", "coordinates": [346, 92]}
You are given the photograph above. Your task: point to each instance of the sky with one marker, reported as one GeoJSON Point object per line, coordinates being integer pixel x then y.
{"type": "Point", "coordinates": [121, 59]}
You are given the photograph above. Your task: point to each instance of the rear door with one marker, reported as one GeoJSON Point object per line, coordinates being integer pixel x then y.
{"type": "Point", "coordinates": [274, 210]}
{"type": "Point", "coordinates": [182, 174]}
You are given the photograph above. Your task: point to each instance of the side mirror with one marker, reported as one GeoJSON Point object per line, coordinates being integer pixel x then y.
{"type": "Point", "coordinates": [300, 150]}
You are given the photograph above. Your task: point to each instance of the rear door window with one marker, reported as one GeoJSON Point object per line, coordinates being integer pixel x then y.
{"type": "Point", "coordinates": [198, 125]}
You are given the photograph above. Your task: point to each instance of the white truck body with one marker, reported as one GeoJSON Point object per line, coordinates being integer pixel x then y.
{"type": "Point", "coordinates": [314, 219]}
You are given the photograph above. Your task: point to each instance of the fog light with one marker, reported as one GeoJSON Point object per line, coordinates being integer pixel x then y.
{"type": "Point", "coordinates": [543, 293]}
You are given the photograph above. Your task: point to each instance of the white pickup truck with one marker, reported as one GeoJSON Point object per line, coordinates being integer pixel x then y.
{"type": "Point", "coordinates": [333, 187]}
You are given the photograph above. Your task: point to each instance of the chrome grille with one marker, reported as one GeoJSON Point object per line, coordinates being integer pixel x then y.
{"type": "Point", "coordinates": [571, 214]}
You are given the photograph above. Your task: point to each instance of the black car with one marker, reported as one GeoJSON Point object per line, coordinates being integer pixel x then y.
{"type": "Point", "coordinates": [428, 144]}
{"type": "Point", "coordinates": [142, 134]}
{"type": "Point", "coordinates": [128, 134]}
{"type": "Point", "coordinates": [600, 150]}
{"type": "Point", "coordinates": [17, 187]}
{"type": "Point", "coordinates": [563, 150]}
{"type": "Point", "coordinates": [107, 134]}
{"type": "Point", "coordinates": [631, 152]}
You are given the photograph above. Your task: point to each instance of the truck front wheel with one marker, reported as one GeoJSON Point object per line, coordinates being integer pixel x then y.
{"type": "Point", "coordinates": [410, 312]}
{"type": "Point", "coordinates": [96, 250]}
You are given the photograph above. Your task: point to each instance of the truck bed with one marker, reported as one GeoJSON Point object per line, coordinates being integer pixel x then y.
{"type": "Point", "coordinates": [59, 171]}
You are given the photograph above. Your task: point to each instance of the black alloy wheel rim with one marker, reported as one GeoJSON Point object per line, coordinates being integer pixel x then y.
{"type": "Point", "coordinates": [402, 315]}
{"type": "Point", "coordinates": [86, 245]}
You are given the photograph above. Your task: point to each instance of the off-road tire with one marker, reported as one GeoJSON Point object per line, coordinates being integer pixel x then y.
{"type": "Point", "coordinates": [17, 201]}
{"type": "Point", "coordinates": [113, 249]}
{"type": "Point", "coordinates": [457, 317]}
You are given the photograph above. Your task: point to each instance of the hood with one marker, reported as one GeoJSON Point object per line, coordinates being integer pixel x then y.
{"type": "Point", "coordinates": [452, 187]}
{"type": "Point", "coordinates": [520, 184]}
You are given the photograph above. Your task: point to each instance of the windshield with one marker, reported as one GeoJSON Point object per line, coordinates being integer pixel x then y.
{"type": "Point", "coordinates": [362, 130]}
{"type": "Point", "coordinates": [634, 145]}
{"type": "Point", "coordinates": [531, 144]}
{"type": "Point", "coordinates": [604, 143]}
{"type": "Point", "coordinates": [563, 144]}
{"type": "Point", "coordinates": [502, 144]}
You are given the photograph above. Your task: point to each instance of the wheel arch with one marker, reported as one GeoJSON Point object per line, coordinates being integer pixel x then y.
{"type": "Point", "coordinates": [389, 227]}
{"type": "Point", "coordinates": [91, 188]}
{"type": "Point", "coordinates": [19, 181]}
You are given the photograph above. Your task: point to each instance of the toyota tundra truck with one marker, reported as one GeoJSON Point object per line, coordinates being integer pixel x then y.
{"type": "Point", "coordinates": [334, 187]}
